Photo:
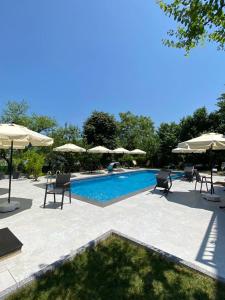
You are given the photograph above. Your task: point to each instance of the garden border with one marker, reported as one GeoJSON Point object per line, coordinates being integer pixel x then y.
{"type": "Point", "coordinates": [93, 243]}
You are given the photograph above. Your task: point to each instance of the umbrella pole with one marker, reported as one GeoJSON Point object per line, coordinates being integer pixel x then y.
{"type": "Point", "coordinates": [211, 154]}
{"type": "Point", "coordinates": [10, 171]}
{"type": "Point", "coordinates": [211, 179]}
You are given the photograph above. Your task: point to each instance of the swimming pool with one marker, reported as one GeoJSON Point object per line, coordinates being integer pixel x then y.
{"type": "Point", "coordinates": [106, 190]}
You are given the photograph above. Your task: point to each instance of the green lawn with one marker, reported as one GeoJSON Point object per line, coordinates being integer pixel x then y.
{"type": "Point", "coordinates": [118, 269]}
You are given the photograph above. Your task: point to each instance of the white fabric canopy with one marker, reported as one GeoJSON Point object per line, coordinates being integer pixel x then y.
{"type": "Point", "coordinates": [99, 149]}
{"type": "Point", "coordinates": [214, 141]}
{"type": "Point", "coordinates": [14, 136]}
{"type": "Point", "coordinates": [120, 151]}
{"type": "Point", "coordinates": [22, 136]}
{"type": "Point", "coordinates": [137, 151]}
{"type": "Point", "coordinates": [187, 150]}
{"type": "Point", "coordinates": [69, 148]}
{"type": "Point", "coordinates": [15, 146]}
{"type": "Point", "coordinates": [207, 141]}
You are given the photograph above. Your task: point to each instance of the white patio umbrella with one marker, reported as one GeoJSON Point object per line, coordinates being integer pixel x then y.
{"type": "Point", "coordinates": [120, 151]}
{"type": "Point", "coordinates": [138, 151]}
{"type": "Point", "coordinates": [187, 150]}
{"type": "Point", "coordinates": [99, 149]}
{"type": "Point", "coordinates": [69, 148]}
{"type": "Point", "coordinates": [207, 141]}
{"type": "Point", "coordinates": [14, 136]}
{"type": "Point", "coordinates": [17, 147]}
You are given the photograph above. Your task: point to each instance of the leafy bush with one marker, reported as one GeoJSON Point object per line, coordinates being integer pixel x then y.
{"type": "Point", "coordinates": [126, 160]}
{"type": "Point", "coordinates": [34, 163]}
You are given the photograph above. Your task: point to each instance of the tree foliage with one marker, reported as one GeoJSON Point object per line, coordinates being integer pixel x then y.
{"type": "Point", "coordinates": [34, 162]}
{"type": "Point", "coordinates": [130, 131]}
{"type": "Point", "coordinates": [192, 126]}
{"type": "Point", "coordinates": [100, 129]}
{"type": "Point", "coordinates": [137, 132]}
{"type": "Point", "coordinates": [169, 137]}
{"type": "Point", "coordinates": [67, 134]}
{"type": "Point", "coordinates": [17, 112]}
{"type": "Point", "coordinates": [198, 20]}
{"type": "Point", "coordinates": [220, 114]}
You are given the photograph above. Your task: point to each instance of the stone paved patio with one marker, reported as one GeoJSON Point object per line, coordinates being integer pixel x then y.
{"type": "Point", "coordinates": [182, 224]}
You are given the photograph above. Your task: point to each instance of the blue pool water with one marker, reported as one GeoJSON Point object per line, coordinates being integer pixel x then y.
{"type": "Point", "coordinates": [107, 188]}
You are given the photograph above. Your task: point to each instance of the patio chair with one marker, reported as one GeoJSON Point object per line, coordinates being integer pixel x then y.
{"type": "Point", "coordinates": [163, 180]}
{"type": "Point", "coordinates": [203, 180]}
{"type": "Point", "coordinates": [135, 165]}
{"type": "Point", "coordinates": [147, 165]}
{"type": "Point", "coordinates": [189, 173]}
{"type": "Point", "coordinates": [60, 186]}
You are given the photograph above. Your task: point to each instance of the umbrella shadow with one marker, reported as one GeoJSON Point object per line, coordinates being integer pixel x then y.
{"type": "Point", "coordinates": [3, 191]}
{"type": "Point", "coordinates": [212, 246]}
{"type": "Point", "coordinates": [25, 204]}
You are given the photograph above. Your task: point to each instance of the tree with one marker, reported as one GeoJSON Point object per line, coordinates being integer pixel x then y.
{"type": "Point", "coordinates": [66, 134]}
{"type": "Point", "coordinates": [100, 129]}
{"type": "Point", "coordinates": [195, 125]}
{"type": "Point", "coordinates": [15, 112]}
{"type": "Point", "coordinates": [219, 115]}
{"type": "Point", "coordinates": [169, 134]}
{"type": "Point", "coordinates": [198, 20]}
{"type": "Point", "coordinates": [137, 132]}
{"type": "Point", "coordinates": [41, 123]}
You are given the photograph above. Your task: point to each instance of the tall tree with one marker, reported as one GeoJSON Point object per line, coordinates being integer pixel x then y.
{"type": "Point", "coordinates": [67, 134]}
{"type": "Point", "coordinates": [41, 123]}
{"type": "Point", "coordinates": [192, 126]}
{"type": "Point", "coordinates": [137, 132]}
{"type": "Point", "coordinates": [198, 20]}
{"type": "Point", "coordinates": [169, 137]}
{"type": "Point", "coordinates": [220, 114]}
{"type": "Point", "coordinates": [15, 112]}
{"type": "Point", "coordinates": [100, 129]}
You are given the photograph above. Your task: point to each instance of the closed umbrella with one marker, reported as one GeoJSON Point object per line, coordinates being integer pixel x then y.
{"type": "Point", "coordinates": [99, 149]}
{"type": "Point", "coordinates": [14, 136]}
{"type": "Point", "coordinates": [120, 151]}
{"type": "Point", "coordinates": [208, 141]}
{"type": "Point", "coordinates": [138, 151]}
{"type": "Point", "coordinates": [69, 148]}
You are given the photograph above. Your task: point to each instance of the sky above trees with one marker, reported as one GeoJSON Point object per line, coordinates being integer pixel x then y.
{"type": "Point", "coordinates": [67, 59]}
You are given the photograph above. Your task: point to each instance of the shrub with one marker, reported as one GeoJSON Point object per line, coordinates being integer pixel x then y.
{"type": "Point", "coordinates": [34, 163]}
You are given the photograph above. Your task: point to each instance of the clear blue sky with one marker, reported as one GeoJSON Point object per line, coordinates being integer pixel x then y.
{"type": "Point", "coordinates": [70, 57]}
